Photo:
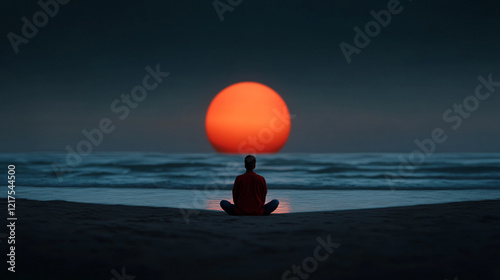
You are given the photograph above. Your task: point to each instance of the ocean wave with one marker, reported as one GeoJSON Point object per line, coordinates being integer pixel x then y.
{"type": "Point", "coordinates": [461, 169]}
{"type": "Point", "coordinates": [228, 187]}
{"type": "Point", "coordinates": [283, 171]}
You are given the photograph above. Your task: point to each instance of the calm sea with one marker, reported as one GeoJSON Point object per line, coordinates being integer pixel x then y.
{"type": "Point", "coordinates": [302, 182]}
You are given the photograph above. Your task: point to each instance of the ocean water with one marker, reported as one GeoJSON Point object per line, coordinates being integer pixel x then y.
{"type": "Point", "coordinates": [302, 182]}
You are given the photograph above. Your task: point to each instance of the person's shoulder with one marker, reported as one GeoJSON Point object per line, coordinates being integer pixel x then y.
{"type": "Point", "coordinates": [241, 176]}
{"type": "Point", "coordinates": [259, 176]}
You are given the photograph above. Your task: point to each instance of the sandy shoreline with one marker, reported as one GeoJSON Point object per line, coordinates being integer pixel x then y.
{"type": "Point", "coordinates": [66, 240]}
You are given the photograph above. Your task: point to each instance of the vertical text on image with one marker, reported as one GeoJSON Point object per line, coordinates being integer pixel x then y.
{"type": "Point", "coordinates": [11, 220]}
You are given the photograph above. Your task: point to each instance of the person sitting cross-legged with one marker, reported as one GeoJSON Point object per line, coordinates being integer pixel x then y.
{"type": "Point", "coordinates": [249, 193]}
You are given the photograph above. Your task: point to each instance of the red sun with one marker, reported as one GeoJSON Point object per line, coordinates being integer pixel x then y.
{"type": "Point", "coordinates": [247, 118]}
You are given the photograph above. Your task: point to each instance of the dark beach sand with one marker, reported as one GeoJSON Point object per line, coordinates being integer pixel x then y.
{"type": "Point", "coordinates": [65, 240]}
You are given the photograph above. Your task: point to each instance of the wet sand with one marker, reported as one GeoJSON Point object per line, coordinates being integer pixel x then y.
{"type": "Point", "coordinates": [66, 240]}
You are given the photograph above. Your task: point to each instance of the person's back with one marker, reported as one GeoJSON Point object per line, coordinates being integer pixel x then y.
{"type": "Point", "coordinates": [249, 193]}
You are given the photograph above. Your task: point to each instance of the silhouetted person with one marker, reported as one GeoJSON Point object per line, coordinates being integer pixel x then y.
{"type": "Point", "coordinates": [249, 193]}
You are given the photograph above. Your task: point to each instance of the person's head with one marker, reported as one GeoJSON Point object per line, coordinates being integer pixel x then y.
{"type": "Point", "coordinates": [250, 162]}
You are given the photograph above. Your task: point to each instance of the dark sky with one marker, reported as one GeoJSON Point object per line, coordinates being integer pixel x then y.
{"type": "Point", "coordinates": [394, 91]}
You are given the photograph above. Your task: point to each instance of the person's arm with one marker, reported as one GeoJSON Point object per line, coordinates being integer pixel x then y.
{"type": "Point", "coordinates": [236, 190]}
{"type": "Point", "coordinates": [264, 190]}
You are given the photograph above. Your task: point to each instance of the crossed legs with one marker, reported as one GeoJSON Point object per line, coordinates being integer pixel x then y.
{"type": "Point", "coordinates": [269, 207]}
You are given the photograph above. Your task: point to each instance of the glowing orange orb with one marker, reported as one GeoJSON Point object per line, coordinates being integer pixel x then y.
{"type": "Point", "coordinates": [247, 118]}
